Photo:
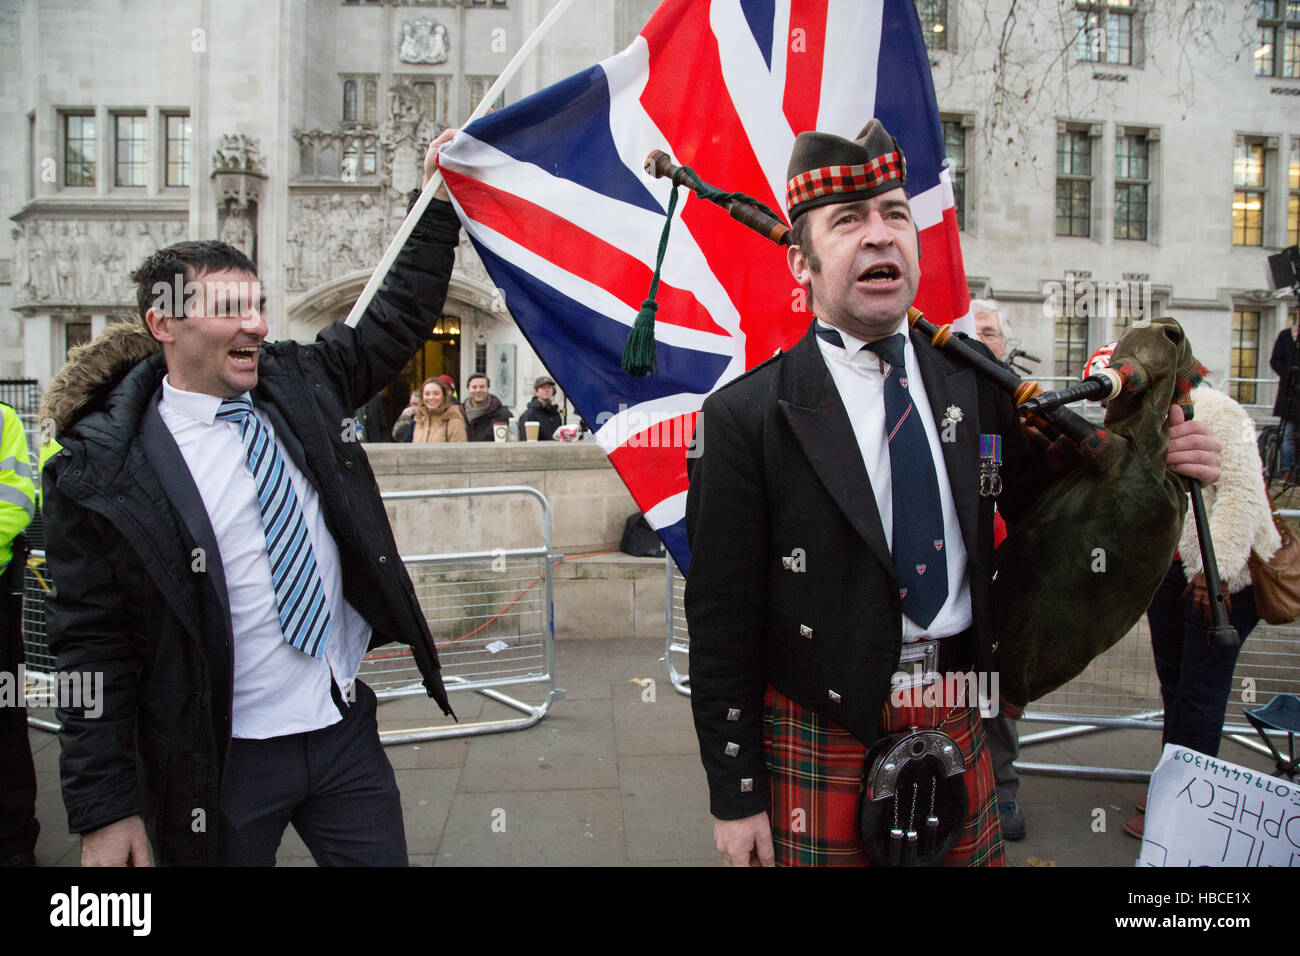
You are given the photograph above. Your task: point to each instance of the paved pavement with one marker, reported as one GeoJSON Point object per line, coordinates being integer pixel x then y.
{"type": "Point", "coordinates": [610, 778]}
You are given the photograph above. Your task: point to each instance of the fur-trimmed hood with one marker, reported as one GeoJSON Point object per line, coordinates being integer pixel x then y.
{"type": "Point", "coordinates": [93, 369]}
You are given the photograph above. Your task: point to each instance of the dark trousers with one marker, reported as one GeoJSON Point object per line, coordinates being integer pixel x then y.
{"type": "Point", "coordinates": [1003, 739]}
{"type": "Point", "coordinates": [18, 826]}
{"type": "Point", "coordinates": [1195, 679]}
{"type": "Point", "coordinates": [335, 785]}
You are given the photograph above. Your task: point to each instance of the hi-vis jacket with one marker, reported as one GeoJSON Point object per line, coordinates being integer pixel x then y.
{"type": "Point", "coordinates": [17, 491]}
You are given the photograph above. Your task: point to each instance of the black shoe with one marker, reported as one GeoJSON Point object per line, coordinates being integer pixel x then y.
{"type": "Point", "coordinates": [1013, 821]}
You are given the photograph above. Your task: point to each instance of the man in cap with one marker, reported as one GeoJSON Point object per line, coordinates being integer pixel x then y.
{"type": "Point", "coordinates": [541, 409]}
{"type": "Point", "coordinates": [838, 535]}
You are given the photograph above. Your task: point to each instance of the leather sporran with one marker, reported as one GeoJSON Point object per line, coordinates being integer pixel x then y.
{"type": "Point", "coordinates": [1277, 580]}
{"type": "Point", "coordinates": [913, 804]}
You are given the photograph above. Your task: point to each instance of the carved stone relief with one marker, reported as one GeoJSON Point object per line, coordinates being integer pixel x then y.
{"type": "Point", "coordinates": [333, 234]}
{"type": "Point", "coordinates": [237, 230]}
{"type": "Point", "coordinates": [237, 172]}
{"type": "Point", "coordinates": [391, 154]}
{"type": "Point", "coordinates": [423, 41]}
{"type": "Point", "coordinates": [237, 153]}
{"type": "Point", "coordinates": [470, 265]}
{"type": "Point", "coordinates": [84, 262]}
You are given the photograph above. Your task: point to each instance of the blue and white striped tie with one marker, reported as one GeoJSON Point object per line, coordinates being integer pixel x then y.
{"type": "Point", "coordinates": [299, 595]}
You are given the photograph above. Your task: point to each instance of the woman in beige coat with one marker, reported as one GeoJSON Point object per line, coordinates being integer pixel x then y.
{"type": "Point", "coordinates": [438, 419]}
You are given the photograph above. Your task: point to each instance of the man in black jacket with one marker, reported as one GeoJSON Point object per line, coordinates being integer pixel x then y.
{"type": "Point", "coordinates": [801, 591]}
{"type": "Point", "coordinates": [482, 409]}
{"type": "Point", "coordinates": [221, 555]}
{"type": "Point", "coordinates": [542, 410]}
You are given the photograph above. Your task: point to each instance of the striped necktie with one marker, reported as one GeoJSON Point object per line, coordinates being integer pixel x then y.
{"type": "Point", "coordinates": [919, 560]}
{"type": "Point", "coordinates": [299, 595]}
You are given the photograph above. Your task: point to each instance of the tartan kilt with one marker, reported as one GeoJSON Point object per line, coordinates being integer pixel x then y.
{"type": "Point", "coordinates": [816, 767]}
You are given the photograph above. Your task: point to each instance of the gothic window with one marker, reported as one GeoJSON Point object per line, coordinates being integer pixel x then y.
{"type": "Point", "coordinates": [349, 101]}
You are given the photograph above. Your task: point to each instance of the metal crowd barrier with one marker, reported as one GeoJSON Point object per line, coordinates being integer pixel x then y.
{"type": "Point", "coordinates": [40, 662]}
{"type": "Point", "coordinates": [679, 642]}
{"type": "Point", "coordinates": [1119, 689]}
{"type": "Point", "coordinates": [491, 614]}
{"type": "Point", "coordinates": [1259, 391]}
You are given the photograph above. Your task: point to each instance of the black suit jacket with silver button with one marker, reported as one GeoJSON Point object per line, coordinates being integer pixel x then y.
{"type": "Point", "coordinates": [779, 469]}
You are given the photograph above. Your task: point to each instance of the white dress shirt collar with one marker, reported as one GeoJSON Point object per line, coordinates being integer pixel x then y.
{"type": "Point", "coordinates": [196, 405]}
{"type": "Point", "coordinates": [853, 345]}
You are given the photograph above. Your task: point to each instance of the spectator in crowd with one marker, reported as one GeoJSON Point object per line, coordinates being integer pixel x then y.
{"type": "Point", "coordinates": [990, 328]}
{"type": "Point", "coordinates": [438, 419]}
{"type": "Point", "coordinates": [402, 427]}
{"type": "Point", "coordinates": [1287, 404]}
{"type": "Point", "coordinates": [483, 409]}
{"type": "Point", "coordinates": [372, 426]}
{"type": "Point", "coordinates": [541, 410]}
{"type": "Point", "coordinates": [449, 383]}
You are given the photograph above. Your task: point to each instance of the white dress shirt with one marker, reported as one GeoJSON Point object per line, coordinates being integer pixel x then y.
{"type": "Point", "coordinates": [859, 377]}
{"type": "Point", "coordinates": [278, 689]}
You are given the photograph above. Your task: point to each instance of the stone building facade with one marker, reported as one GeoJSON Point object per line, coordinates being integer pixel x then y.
{"type": "Point", "coordinates": [292, 129]}
{"type": "Point", "coordinates": [1148, 163]}
{"type": "Point", "coordinates": [1126, 157]}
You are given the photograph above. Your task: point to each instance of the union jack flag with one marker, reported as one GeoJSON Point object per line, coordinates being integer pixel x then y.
{"type": "Point", "coordinates": [554, 197]}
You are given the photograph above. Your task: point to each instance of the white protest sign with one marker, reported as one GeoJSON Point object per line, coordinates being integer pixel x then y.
{"type": "Point", "coordinates": [1206, 811]}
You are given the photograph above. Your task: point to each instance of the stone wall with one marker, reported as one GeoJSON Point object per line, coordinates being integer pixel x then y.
{"type": "Point", "coordinates": [589, 503]}
{"type": "Point", "coordinates": [599, 595]}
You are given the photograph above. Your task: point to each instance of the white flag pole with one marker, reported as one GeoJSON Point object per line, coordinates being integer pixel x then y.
{"type": "Point", "coordinates": [421, 204]}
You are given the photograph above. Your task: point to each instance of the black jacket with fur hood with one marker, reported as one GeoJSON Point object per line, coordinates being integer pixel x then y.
{"type": "Point", "coordinates": [137, 602]}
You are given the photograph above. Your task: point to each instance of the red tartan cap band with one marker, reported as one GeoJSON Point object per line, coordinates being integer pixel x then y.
{"type": "Point", "coordinates": [825, 168]}
{"type": "Point", "coordinates": [837, 180]}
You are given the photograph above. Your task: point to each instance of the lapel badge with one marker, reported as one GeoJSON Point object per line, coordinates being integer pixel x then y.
{"type": "Point", "coordinates": [953, 414]}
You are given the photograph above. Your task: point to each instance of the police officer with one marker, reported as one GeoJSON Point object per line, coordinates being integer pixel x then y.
{"type": "Point", "coordinates": [18, 825]}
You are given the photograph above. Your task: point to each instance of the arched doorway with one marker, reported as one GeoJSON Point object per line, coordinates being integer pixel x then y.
{"type": "Point", "coordinates": [438, 356]}
{"type": "Point", "coordinates": [468, 302]}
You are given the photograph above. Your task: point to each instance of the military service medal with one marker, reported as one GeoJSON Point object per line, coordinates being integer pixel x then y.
{"type": "Point", "coordinates": [990, 463]}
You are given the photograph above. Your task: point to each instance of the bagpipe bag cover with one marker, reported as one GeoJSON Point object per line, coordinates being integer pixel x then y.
{"type": "Point", "coordinates": [1077, 572]}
